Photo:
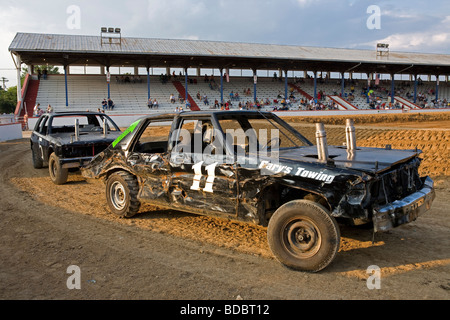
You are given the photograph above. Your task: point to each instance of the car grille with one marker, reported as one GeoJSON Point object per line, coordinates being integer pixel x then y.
{"type": "Point", "coordinates": [397, 183]}
{"type": "Point", "coordinates": [84, 151]}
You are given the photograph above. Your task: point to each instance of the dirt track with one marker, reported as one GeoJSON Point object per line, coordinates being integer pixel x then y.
{"type": "Point", "coordinates": [161, 254]}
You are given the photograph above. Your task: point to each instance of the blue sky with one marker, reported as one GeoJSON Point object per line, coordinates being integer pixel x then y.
{"type": "Point", "coordinates": [413, 26]}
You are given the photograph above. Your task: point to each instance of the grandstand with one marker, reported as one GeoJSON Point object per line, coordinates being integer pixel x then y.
{"type": "Point", "coordinates": [305, 89]}
{"type": "Point", "coordinates": [88, 91]}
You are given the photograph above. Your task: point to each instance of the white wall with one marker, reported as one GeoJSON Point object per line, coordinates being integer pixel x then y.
{"type": "Point", "coordinates": [10, 132]}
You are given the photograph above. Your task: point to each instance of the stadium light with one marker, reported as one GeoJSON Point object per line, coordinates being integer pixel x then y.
{"type": "Point", "coordinates": [382, 49]}
{"type": "Point", "coordinates": [110, 35]}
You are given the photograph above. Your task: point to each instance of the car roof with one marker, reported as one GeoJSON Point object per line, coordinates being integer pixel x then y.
{"type": "Point", "coordinates": [75, 113]}
{"type": "Point", "coordinates": [205, 113]}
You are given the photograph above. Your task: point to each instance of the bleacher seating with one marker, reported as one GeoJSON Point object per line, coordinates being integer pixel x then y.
{"type": "Point", "coordinates": [86, 92]}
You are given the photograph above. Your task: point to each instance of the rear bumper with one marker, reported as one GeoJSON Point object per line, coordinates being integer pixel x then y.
{"type": "Point", "coordinates": [405, 210]}
{"type": "Point", "coordinates": [74, 162]}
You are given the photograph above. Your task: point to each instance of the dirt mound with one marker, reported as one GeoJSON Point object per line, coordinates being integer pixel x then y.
{"type": "Point", "coordinates": [381, 118]}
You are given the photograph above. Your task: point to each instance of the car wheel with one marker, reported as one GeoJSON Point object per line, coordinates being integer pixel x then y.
{"type": "Point", "coordinates": [121, 194]}
{"type": "Point", "coordinates": [37, 160]}
{"type": "Point", "coordinates": [57, 174]}
{"type": "Point", "coordinates": [303, 236]}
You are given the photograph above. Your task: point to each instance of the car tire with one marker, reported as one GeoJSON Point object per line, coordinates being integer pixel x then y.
{"type": "Point", "coordinates": [303, 236]}
{"type": "Point", "coordinates": [121, 194]}
{"type": "Point", "coordinates": [58, 174]}
{"type": "Point", "coordinates": [37, 160]}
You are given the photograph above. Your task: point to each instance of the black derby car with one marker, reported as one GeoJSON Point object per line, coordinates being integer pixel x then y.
{"type": "Point", "coordinates": [67, 141]}
{"type": "Point", "coordinates": [254, 167]}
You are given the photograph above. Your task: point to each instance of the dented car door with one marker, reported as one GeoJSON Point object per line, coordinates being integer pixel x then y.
{"type": "Point", "coordinates": [202, 178]}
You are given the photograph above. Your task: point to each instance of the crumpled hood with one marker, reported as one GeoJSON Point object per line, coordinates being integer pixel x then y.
{"type": "Point", "coordinates": [368, 160]}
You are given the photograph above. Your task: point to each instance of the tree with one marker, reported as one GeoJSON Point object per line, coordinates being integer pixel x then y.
{"type": "Point", "coordinates": [50, 70]}
{"type": "Point", "coordinates": [8, 100]}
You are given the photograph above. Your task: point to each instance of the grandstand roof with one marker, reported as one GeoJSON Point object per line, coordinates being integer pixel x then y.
{"type": "Point", "coordinates": [77, 49]}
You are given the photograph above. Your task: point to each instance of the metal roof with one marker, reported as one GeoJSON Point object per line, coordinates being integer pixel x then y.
{"type": "Point", "coordinates": [75, 49]}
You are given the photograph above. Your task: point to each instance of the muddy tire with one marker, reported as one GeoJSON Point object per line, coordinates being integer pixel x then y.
{"type": "Point", "coordinates": [303, 236]}
{"type": "Point", "coordinates": [121, 194]}
{"type": "Point", "coordinates": [58, 174]}
{"type": "Point", "coordinates": [37, 160]}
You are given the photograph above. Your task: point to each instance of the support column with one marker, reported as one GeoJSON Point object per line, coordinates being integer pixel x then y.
{"type": "Point", "coordinates": [254, 85]}
{"type": "Point", "coordinates": [315, 84]}
{"type": "Point", "coordinates": [65, 82]}
{"type": "Point", "coordinates": [148, 83]}
{"type": "Point", "coordinates": [392, 88]}
{"type": "Point", "coordinates": [285, 84]}
{"type": "Point", "coordinates": [437, 87]}
{"type": "Point", "coordinates": [186, 85]}
{"type": "Point", "coordinates": [221, 86]}
{"type": "Point", "coordinates": [342, 84]}
{"type": "Point", "coordinates": [109, 86]}
{"type": "Point", "coordinates": [415, 88]}
{"type": "Point", "coordinates": [19, 83]}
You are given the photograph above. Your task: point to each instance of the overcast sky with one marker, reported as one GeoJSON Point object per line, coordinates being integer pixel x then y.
{"type": "Point", "coordinates": [413, 26]}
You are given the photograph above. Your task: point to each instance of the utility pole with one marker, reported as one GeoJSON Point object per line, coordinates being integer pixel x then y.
{"type": "Point", "coordinates": [4, 80]}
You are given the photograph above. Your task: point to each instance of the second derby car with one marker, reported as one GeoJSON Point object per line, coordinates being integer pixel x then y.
{"type": "Point", "coordinates": [68, 140]}
{"type": "Point", "coordinates": [254, 167]}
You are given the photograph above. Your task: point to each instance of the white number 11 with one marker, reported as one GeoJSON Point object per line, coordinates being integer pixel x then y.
{"type": "Point", "coordinates": [211, 170]}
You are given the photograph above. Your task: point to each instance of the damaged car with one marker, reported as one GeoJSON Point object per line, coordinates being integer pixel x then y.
{"type": "Point", "coordinates": [254, 167]}
{"type": "Point", "coordinates": [68, 140]}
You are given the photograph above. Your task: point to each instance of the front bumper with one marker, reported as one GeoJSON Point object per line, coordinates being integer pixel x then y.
{"type": "Point", "coordinates": [405, 210]}
{"type": "Point", "coordinates": [74, 162]}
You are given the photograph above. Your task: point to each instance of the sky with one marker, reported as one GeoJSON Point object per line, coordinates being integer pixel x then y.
{"type": "Point", "coordinates": [409, 26]}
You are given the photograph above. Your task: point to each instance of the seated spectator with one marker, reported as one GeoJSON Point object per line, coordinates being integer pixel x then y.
{"type": "Point", "coordinates": [104, 104]}
{"type": "Point", "coordinates": [110, 104]}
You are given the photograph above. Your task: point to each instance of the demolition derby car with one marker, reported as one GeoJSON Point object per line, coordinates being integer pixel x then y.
{"type": "Point", "coordinates": [67, 141]}
{"type": "Point", "coordinates": [252, 166]}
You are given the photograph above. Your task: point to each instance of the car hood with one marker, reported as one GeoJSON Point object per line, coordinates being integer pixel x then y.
{"type": "Point", "coordinates": [368, 160]}
{"type": "Point", "coordinates": [94, 137]}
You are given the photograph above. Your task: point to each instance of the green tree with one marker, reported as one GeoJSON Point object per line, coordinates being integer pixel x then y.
{"type": "Point", "coordinates": [50, 70]}
{"type": "Point", "coordinates": [8, 100]}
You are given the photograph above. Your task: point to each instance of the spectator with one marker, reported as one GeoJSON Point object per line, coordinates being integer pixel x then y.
{"type": "Point", "coordinates": [104, 104]}
{"type": "Point", "coordinates": [49, 109]}
{"type": "Point", "coordinates": [25, 122]}
{"type": "Point", "coordinates": [36, 109]}
{"type": "Point", "coordinates": [110, 104]}
{"type": "Point", "coordinates": [150, 103]}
